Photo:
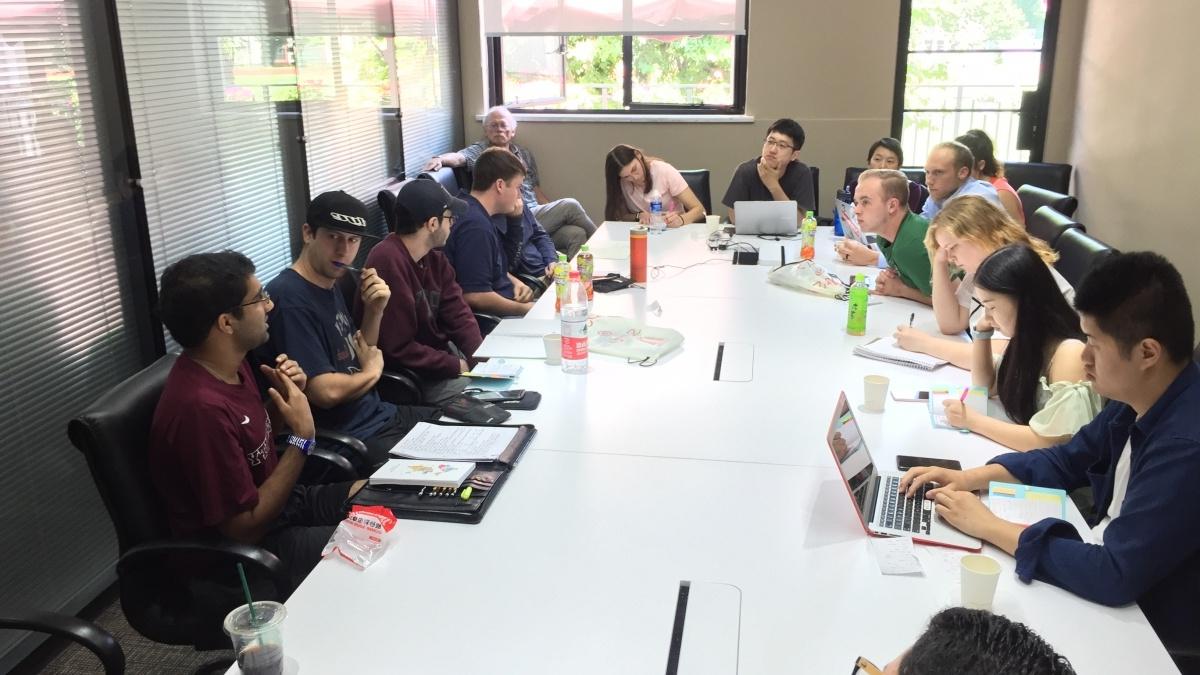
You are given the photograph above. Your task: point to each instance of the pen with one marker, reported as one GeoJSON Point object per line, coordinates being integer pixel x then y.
{"type": "Point", "coordinates": [963, 399]}
{"type": "Point", "coordinates": [338, 263]}
{"type": "Point", "coordinates": [910, 318]}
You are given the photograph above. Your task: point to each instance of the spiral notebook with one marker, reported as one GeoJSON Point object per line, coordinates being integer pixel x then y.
{"type": "Point", "coordinates": [886, 349]}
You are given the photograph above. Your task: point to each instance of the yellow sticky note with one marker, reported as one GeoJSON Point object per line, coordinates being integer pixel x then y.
{"type": "Point", "coordinates": [1043, 496]}
{"type": "Point", "coordinates": [1005, 490]}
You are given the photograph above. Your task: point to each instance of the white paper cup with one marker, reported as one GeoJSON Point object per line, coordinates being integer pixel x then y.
{"type": "Point", "coordinates": [553, 343]}
{"type": "Point", "coordinates": [712, 223]}
{"type": "Point", "coordinates": [980, 574]}
{"type": "Point", "coordinates": [875, 388]}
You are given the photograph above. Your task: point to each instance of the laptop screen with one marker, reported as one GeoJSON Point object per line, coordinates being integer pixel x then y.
{"type": "Point", "coordinates": [850, 451]}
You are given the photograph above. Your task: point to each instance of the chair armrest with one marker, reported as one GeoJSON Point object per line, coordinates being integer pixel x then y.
{"type": "Point", "coordinates": [401, 386]}
{"type": "Point", "coordinates": [487, 322]}
{"type": "Point", "coordinates": [158, 554]}
{"type": "Point", "coordinates": [536, 284]}
{"type": "Point", "coordinates": [340, 469]}
{"type": "Point", "coordinates": [99, 641]}
{"type": "Point", "coordinates": [347, 440]}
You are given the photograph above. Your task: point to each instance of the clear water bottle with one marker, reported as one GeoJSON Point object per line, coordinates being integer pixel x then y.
{"type": "Point", "coordinates": [658, 219]}
{"type": "Point", "coordinates": [574, 327]}
{"type": "Point", "coordinates": [586, 263]}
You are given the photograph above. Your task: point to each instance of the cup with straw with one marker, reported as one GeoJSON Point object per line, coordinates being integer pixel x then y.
{"type": "Point", "coordinates": [256, 631]}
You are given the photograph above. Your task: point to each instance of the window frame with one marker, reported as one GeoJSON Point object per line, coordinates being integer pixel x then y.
{"type": "Point", "coordinates": [738, 107]}
{"type": "Point", "coordinates": [1035, 105]}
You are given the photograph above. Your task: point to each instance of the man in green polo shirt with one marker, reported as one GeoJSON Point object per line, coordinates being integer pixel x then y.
{"type": "Point", "coordinates": [881, 206]}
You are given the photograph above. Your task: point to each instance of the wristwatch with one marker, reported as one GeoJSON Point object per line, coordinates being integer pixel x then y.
{"type": "Point", "coordinates": [982, 334]}
{"type": "Point", "coordinates": [305, 444]}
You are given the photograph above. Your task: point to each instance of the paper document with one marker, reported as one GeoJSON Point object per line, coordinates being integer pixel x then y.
{"type": "Point", "coordinates": [422, 472]}
{"type": "Point", "coordinates": [1026, 504]}
{"type": "Point", "coordinates": [886, 349]}
{"type": "Point", "coordinates": [498, 369]}
{"type": "Point", "coordinates": [895, 555]}
{"type": "Point", "coordinates": [454, 442]}
{"type": "Point", "coordinates": [535, 328]}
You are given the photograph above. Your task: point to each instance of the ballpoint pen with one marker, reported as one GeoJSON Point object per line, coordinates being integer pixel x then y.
{"type": "Point", "coordinates": [910, 318]}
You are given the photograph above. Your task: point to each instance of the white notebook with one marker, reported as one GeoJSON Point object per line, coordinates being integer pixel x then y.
{"type": "Point", "coordinates": [886, 349]}
{"type": "Point", "coordinates": [422, 472]}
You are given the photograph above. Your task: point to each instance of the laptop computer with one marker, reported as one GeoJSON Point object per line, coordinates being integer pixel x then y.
{"type": "Point", "coordinates": [883, 510]}
{"type": "Point", "coordinates": [766, 217]}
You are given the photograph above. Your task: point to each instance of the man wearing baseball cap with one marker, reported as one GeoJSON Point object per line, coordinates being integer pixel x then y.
{"type": "Point", "coordinates": [427, 326]}
{"type": "Point", "coordinates": [311, 318]}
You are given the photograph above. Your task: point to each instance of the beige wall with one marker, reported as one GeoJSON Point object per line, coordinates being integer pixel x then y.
{"type": "Point", "coordinates": [1064, 83]}
{"type": "Point", "coordinates": [1136, 141]}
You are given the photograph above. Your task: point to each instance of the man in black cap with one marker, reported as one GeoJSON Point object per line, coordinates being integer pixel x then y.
{"type": "Point", "coordinates": [427, 325]}
{"type": "Point", "coordinates": [311, 323]}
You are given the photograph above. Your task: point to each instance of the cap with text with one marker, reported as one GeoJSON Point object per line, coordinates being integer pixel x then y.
{"type": "Point", "coordinates": [422, 199]}
{"type": "Point", "coordinates": [338, 211]}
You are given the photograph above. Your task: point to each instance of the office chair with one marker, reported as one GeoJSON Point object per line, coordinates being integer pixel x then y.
{"type": "Point", "coordinates": [698, 181]}
{"type": "Point", "coordinates": [85, 633]}
{"type": "Point", "coordinates": [448, 177]}
{"type": "Point", "coordinates": [1055, 177]}
{"type": "Point", "coordinates": [1033, 198]}
{"type": "Point", "coordinates": [1078, 253]}
{"type": "Point", "coordinates": [915, 175]}
{"type": "Point", "coordinates": [159, 601]}
{"type": "Point", "coordinates": [1048, 224]}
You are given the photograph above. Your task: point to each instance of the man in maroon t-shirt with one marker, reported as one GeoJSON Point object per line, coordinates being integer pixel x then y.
{"type": "Point", "coordinates": [427, 326]}
{"type": "Point", "coordinates": [212, 452]}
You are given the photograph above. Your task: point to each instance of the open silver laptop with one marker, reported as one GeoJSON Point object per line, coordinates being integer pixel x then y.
{"type": "Point", "coordinates": [766, 217]}
{"type": "Point", "coordinates": [882, 508]}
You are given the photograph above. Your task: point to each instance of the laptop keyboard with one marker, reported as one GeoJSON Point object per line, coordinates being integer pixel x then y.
{"type": "Point", "coordinates": [904, 513]}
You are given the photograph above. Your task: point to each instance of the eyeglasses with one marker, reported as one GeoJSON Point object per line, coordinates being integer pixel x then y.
{"type": "Point", "coordinates": [772, 143]}
{"type": "Point", "coordinates": [263, 296]}
{"type": "Point", "coordinates": [864, 666]}
{"type": "Point", "coordinates": [449, 217]}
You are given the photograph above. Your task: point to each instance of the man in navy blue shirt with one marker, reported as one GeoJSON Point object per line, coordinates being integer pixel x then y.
{"type": "Point", "coordinates": [1141, 457]}
{"type": "Point", "coordinates": [538, 255]}
{"type": "Point", "coordinates": [481, 248]}
{"type": "Point", "coordinates": [311, 322]}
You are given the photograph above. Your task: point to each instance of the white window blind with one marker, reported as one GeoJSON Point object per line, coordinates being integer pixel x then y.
{"type": "Point", "coordinates": [613, 17]}
{"type": "Point", "coordinates": [346, 70]}
{"type": "Point", "coordinates": [210, 158]}
{"type": "Point", "coordinates": [63, 333]}
{"type": "Point", "coordinates": [427, 67]}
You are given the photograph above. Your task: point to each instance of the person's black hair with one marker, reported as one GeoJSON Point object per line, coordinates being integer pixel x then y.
{"type": "Point", "coordinates": [614, 161]}
{"type": "Point", "coordinates": [495, 164]}
{"type": "Point", "coordinates": [981, 147]}
{"type": "Point", "coordinates": [1134, 296]}
{"type": "Point", "coordinates": [790, 128]}
{"type": "Point", "coordinates": [1044, 318]}
{"type": "Point", "coordinates": [195, 290]}
{"type": "Point", "coordinates": [887, 143]}
{"type": "Point", "coordinates": [976, 642]}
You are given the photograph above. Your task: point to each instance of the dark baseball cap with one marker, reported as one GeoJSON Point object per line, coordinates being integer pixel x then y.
{"type": "Point", "coordinates": [338, 211]}
{"type": "Point", "coordinates": [421, 199]}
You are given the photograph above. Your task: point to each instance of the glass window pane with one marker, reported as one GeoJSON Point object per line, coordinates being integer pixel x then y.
{"type": "Point", "coordinates": [575, 72]}
{"type": "Point", "coordinates": [683, 69]}
{"type": "Point", "coordinates": [970, 24]}
{"type": "Point", "coordinates": [924, 130]}
{"type": "Point", "coordinates": [969, 81]}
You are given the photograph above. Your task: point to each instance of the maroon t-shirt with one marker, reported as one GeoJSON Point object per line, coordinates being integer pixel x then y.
{"type": "Point", "coordinates": [210, 446]}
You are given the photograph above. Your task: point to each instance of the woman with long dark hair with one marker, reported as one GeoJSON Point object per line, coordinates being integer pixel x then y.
{"type": "Point", "coordinates": [631, 177]}
{"type": "Point", "coordinates": [1040, 379]}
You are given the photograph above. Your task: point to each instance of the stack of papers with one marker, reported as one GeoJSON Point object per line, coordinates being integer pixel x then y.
{"type": "Point", "coordinates": [456, 442]}
{"type": "Point", "coordinates": [886, 349]}
{"type": "Point", "coordinates": [496, 369]}
{"type": "Point", "coordinates": [422, 472]}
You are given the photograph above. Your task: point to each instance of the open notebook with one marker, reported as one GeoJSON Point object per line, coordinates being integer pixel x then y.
{"type": "Point", "coordinates": [885, 349]}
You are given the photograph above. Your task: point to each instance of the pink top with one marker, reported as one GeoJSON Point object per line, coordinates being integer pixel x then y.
{"type": "Point", "coordinates": [1002, 185]}
{"type": "Point", "coordinates": [664, 178]}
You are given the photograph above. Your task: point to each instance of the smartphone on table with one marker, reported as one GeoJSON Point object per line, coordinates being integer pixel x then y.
{"type": "Point", "coordinates": [498, 396]}
{"type": "Point", "coordinates": [906, 462]}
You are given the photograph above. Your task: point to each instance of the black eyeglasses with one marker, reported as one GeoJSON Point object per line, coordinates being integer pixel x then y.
{"type": "Point", "coordinates": [447, 216]}
{"type": "Point", "coordinates": [862, 665]}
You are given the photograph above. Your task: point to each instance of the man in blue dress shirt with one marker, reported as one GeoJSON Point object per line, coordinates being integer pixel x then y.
{"type": "Point", "coordinates": [948, 175]}
{"type": "Point", "coordinates": [1141, 457]}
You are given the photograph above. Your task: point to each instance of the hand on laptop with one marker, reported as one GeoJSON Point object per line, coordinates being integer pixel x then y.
{"type": "Point", "coordinates": [945, 479]}
{"type": "Point", "coordinates": [966, 512]}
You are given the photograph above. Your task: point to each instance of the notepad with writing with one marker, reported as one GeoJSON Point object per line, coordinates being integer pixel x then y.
{"type": "Point", "coordinates": [886, 349]}
{"type": "Point", "coordinates": [422, 472]}
{"type": "Point", "coordinates": [1026, 504]}
{"type": "Point", "coordinates": [460, 442]}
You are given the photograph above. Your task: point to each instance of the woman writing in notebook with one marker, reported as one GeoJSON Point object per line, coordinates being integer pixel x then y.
{"type": "Point", "coordinates": [632, 178]}
{"type": "Point", "coordinates": [1040, 378]}
{"type": "Point", "coordinates": [961, 235]}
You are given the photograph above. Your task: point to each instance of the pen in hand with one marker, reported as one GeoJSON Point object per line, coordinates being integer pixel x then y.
{"type": "Point", "coordinates": [910, 318]}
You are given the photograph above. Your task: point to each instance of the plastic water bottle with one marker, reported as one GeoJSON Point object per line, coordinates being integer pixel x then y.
{"type": "Point", "coordinates": [587, 269]}
{"type": "Point", "coordinates": [856, 311]}
{"type": "Point", "coordinates": [574, 327]}
{"type": "Point", "coordinates": [658, 220]}
{"type": "Point", "coordinates": [808, 236]}
{"type": "Point", "coordinates": [561, 269]}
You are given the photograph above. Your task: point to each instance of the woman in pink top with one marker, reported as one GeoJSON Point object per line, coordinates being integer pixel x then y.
{"type": "Point", "coordinates": [988, 168]}
{"type": "Point", "coordinates": [625, 172]}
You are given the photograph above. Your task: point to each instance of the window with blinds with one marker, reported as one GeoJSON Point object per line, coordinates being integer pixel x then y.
{"type": "Point", "coordinates": [208, 144]}
{"type": "Point", "coordinates": [66, 337]}
{"type": "Point", "coordinates": [427, 67]}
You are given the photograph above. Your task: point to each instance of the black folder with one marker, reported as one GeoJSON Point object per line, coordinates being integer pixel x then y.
{"type": "Point", "coordinates": [404, 502]}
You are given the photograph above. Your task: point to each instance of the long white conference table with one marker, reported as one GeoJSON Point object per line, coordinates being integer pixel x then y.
{"type": "Point", "coordinates": [642, 477]}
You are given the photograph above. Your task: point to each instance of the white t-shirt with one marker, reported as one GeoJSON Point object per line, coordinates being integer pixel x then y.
{"type": "Point", "coordinates": [1120, 485]}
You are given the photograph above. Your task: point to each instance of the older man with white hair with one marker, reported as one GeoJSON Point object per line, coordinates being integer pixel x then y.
{"type": "Point", "coordinates": [564, 219]}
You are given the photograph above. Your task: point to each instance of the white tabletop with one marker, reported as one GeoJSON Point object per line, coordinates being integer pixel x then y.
{"type": "Point", "coordinates": [640, 478]}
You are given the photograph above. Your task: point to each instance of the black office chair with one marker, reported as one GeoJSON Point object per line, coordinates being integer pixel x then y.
{"type": "Point", "coordinates": [1078, 253]}
{"type": "Point", "coordinates": [1033, 198]}
{"type": "Point", "coordinates": [698, 181]}
{"type": "Point", "coordinates": [1055, 177]}
{"type": "Point", "coordinates": [816, 175]}
{"type": "Point", "coordinates": [852, 173]}
{"type": "Point", "coordinates": [396, 385]}
{"type": "Point", "coordinates": [85, 633]}
{"type": "Point", "coordinates": [1048, 225]}
{"type": "Point", "coordinates": [447, 177]}
{"type": "Point", "coordinates": [1196, 354]}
